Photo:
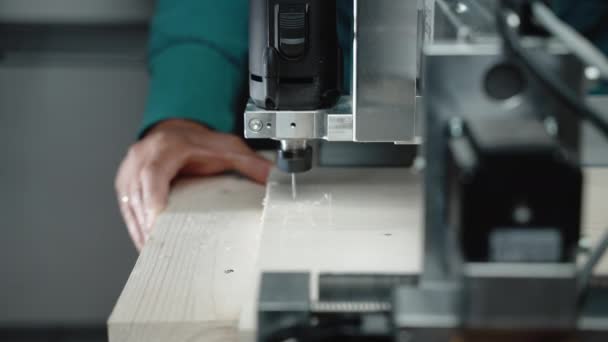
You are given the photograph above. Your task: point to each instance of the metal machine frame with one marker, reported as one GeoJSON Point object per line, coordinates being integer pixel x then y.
{"type": "Point", "coordinates": [451, 294]}
{"type": "Point", "coordinates": [383, 106]}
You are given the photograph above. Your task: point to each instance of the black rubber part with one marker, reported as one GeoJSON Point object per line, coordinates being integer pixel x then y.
{"type": "Point", "coordinates": [295, 161]}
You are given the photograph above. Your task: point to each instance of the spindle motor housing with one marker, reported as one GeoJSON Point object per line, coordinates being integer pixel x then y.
{"type": "Point", "coordinates": [294, 56]}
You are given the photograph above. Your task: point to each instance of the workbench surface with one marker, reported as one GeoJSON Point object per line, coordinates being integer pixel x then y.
{"type": "Point", "coordinates": [197, 276]}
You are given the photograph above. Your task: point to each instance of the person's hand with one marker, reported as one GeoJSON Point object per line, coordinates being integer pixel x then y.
{"type": "Point", "coordinates": [173, 148]}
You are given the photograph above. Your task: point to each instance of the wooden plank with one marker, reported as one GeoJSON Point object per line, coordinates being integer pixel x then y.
{"type": "Point", "coordinates": [595, 204]}
{"type": "Point", "coordinates": [362, 220]}
{"type": "Point", "coordinates": [190, 279]}
{"type": "Point", "coordinates": [370, 214]}
{"type": "Point", "coordinates": [342, 220]}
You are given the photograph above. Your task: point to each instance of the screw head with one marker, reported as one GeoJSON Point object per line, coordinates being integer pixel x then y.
{"type": "Point", "coordinates": [256, 125]}
{"type": "Point", "coordinates": [456, 127]}
{"type": "Point", "coordinates": [522, 214]}
{"type": "Point", "coordinates": [419, 164]}
{"type": "Point", "coordinates": [551, 126]}
{"type": "Point", "coordinates": [461, 8]}
{"type": "Point", "coordinates": [585, 245]}
{"type": "Point", "coordinates": [513, 20]}
{"type": "Point", "coordinates": [592, 73]}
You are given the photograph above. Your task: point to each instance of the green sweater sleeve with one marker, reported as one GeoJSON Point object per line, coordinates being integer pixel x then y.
{"type": "Point", "coordinates": [197, 61]}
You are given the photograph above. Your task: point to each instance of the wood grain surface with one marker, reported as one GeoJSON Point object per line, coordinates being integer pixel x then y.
{"type": "Point", "coordinates": [197, 276]}
{"type": "Point", "coordinates": [190, 279]}
{"type": "Point", "coordinates": [342, 220]}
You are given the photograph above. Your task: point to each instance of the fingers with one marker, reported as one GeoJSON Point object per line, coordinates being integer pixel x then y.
{"type": "Point", "coordinates": [244, 160]}
{"type": "Point", "coordinates": [132, 226]}
{"type": "Point", "coordinates": [136, 204]}
{"type": "Point", "coordinates": [155, 195]}
{"type": "Point", "coordinates": [156, 178]}
{"type": "Point", "coordinates": [144, 178]}
{"type": "Point", "coordinates": [126, 181]}
{"type": "Point", "coordinates": [254, 167]}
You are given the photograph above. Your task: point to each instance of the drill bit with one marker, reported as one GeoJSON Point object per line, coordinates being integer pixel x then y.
{"type": "Point", "coordinates": [293, 185]}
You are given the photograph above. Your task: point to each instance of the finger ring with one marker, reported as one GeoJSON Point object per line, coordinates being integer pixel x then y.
{"type": "Point", "coordinates": [124, 199]}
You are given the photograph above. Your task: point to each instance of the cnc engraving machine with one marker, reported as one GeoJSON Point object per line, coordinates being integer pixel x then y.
{"type": "Point", "coordinates": [494, 92]}
{"type": "Point", "coordinates": [297, 69]}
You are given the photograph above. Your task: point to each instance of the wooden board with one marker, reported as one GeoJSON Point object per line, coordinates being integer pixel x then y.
{"type": "Point", "coordinates": [595, 204]}
{"type": "Point", "coordinates": [354, 220]}
{"type": "Point", "coordinates": [342, 220]}
{"type": "Point", "coordinates": [191, 278]}
{"type": "Point", "coordinates": [366, 220]}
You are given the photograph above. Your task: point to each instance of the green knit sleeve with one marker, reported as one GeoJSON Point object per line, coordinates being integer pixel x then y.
{"type": "Point", "coordinates": [197, 61]}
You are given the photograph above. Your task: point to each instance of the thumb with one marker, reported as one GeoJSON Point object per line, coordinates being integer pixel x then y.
{"type": "Point", "coordinates": [155, 182]}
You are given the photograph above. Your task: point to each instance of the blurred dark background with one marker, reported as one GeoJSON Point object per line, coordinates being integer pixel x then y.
{"type": "Point", "coordinates": [72, 88]}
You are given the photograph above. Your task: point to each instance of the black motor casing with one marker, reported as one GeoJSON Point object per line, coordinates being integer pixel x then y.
{"type": "Point", "coordinates": [294, 56]}
{"type": "Point", "coordinates": [500, 164]}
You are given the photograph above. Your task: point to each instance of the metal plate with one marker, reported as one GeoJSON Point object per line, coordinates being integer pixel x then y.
{"type": "Point", "coordinates": [386, 70]}
{"type": "Point", "coordinates": [334, 124]}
